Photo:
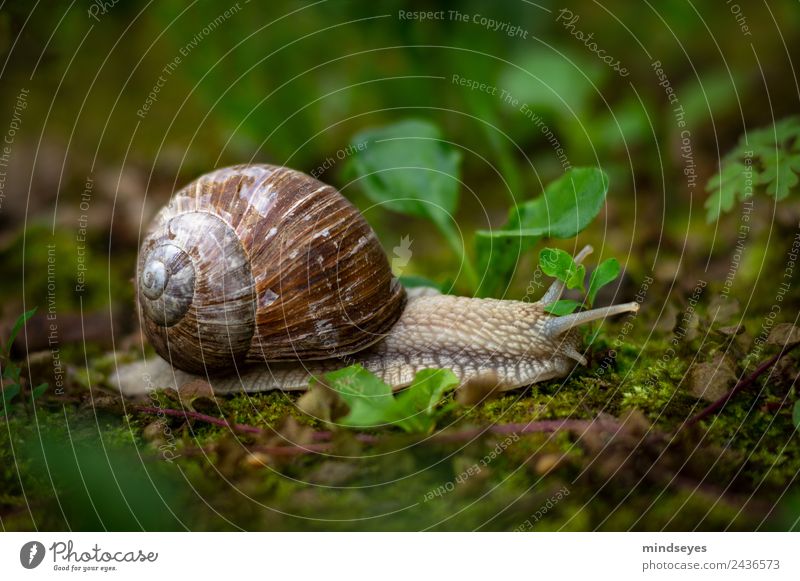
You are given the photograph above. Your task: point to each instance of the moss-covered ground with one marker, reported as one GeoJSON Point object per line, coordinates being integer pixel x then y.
{"type": "Point", "coordinates": [90, 460]}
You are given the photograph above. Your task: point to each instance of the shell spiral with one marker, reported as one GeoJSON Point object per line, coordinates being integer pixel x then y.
{"type": "Point", "coordinates": [262, 263]}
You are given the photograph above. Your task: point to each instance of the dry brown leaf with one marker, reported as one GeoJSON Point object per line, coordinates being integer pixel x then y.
{"type": "Point", "coordinates": [292, 433]}
{"type": "Point", "coordinates": [546, 463]}
{"type": "Point", "coordinates": [722, 309]}
{"type": "Point", "coordinates": [322, 403]}
{"type": "Point", "coordinates": [731, 331]}
{"type": "Point", "coordinates": [712, 380]}
{"type": "Point", "coordinates": [196, 394]}
{"type": "Point", "coordinates": [257, 460]}
{"type": "Point", "coordinates": [784, 334]}
{"type": "Point", "coordinates": [154, 431]}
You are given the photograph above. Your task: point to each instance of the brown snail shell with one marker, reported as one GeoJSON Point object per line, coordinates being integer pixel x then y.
{"type": "Point", "coordinates": [257, 263]}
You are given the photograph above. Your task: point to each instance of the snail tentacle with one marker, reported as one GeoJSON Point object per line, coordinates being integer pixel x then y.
{"type": "Point", "coordinates": [559, 325]}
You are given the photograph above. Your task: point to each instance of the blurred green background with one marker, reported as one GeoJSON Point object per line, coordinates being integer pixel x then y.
{"type": "Point", "coordinates": [291, 83]}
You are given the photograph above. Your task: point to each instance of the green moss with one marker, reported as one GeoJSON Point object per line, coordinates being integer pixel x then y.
{"type": "Point", "coordinates": [712, 478]}
{"type": "Point", "coordinates": [264, 409]}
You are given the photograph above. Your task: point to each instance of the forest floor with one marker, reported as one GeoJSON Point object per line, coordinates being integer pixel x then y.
{"type": "Point", "coordinates": [608, 448]}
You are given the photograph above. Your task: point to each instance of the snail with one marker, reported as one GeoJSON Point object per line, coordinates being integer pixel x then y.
{"type": "Point", "coordinates": [258, 277]}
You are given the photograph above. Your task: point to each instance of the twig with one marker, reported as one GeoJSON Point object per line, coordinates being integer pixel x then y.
{"type": "Point", "coordinates": [326, 436]}
{"type": "Point", "coordinates": [323, 438]}
{"type": "Point", "coordinates": [293, 450]}
{"type": "Point", "coordinates": [200, 417]}
{"type": "Point", "coordinates": [740, 385]}
{"type": "Point", "coordinates": [541, 427]}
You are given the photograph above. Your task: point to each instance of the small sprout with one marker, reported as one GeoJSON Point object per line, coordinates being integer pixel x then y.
{"type": "Point", "coordinates": [21, 320]}
{"type": "Point", "coordinates": [409, 167]}
{"type": "Point", "coordinates": [39, 390]}
{"type": "Point", "coordinates": [561, 266]}
{"type": "Point", "coordinates": [605, 273]}
{"type": "Point", "coordinates": [11, 371]}
{"type": "Point", "coordinates": [565, 208]}
{"type": "Point", "coordinates": [9, 393]}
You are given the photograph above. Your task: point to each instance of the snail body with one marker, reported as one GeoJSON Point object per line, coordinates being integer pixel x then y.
{"type": "Point", "coordinates": [263, 264]}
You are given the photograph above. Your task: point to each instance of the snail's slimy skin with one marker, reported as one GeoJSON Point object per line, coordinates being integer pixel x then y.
{"type": "Point", "coordinates": [473, 337]}
{"type": "Point", "coordinates": [516, 343]}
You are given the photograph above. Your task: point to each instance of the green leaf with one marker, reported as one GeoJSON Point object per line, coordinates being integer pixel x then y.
{"type": "Point", "coordinates": [372, 404]}
{"type": "Point", "coordinates": [772, 137]}
{"type": "Point", "coordinates": [780, 173]}
{"type": "Point", "coordinates": [726, 187]}
{"type": "Point", "coordinates": [409, 168]}
{"type": "Point", "coordinates": [497, 255]}
{"type": "Point", "coordinates": [370, 400]}
{"type": "Point", "coordinates": [12, 371]}
{"type": "Point", "coordinates": [796, 415]}
{"type": "Point", "coordinates": [562, 307]}
{"type": "Point", "coordinates": [427, 390]}
{"type": "Point", "coordinates": [559, 264]}
{"type": "Point", "coordinates": [21, 320]}
{"type": "Point", "coordinates": [415, 409]}
{"type": "Point", "coordinates": [559, 84]}
{"type": "Point", "coordinates": [9, 392]}
{"type": "Point", "coordinates": [39, 390]}
{"type": "Point", "coordinates": [606, 272]}
{"type": "Point", "coordinates": [775, 156]}
{"type": "Point", "coordinates": [788, 129]}
{"type": "Point", "coordinates": [568, 205]}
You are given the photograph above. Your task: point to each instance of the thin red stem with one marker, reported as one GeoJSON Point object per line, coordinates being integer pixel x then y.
{"type": "Point", "coordinates": [323, 438]}
{"type": "Point", "coordinates": [200, 417]}
{"type": "Point", "coordinates": [740, 385]}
